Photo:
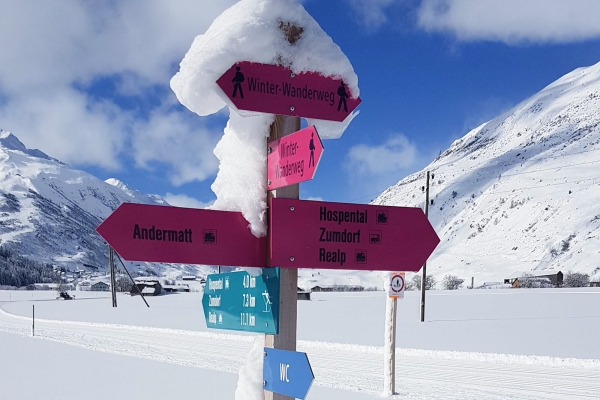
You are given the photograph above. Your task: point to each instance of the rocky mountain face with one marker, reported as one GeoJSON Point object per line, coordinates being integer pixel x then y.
{"type": "Point", "coordinates": [520, 192]}
{"type": "Point", "coordinates": [49, 212]}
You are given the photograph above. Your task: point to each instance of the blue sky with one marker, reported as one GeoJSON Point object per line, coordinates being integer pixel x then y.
{"type": "Point", "coordinates": [88, 83]}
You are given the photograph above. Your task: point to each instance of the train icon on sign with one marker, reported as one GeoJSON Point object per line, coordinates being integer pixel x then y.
{"type": "Point", "coordinates": [210, 236]}
{"type": "Point", "coordinates": [361, 256]}
{"type": "Point", "coordinates": [382, 217]}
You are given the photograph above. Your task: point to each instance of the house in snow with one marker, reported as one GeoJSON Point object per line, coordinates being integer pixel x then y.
{"type": "Point", "coordinates": [542, 278]}
{"type": "Point", "coordinates": [148, 286]}
{"type": "Point", "coordinates": [100, 287]}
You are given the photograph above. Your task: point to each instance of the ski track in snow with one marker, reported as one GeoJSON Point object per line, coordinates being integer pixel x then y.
{"type": "Point", "coordinates": [420, 374]}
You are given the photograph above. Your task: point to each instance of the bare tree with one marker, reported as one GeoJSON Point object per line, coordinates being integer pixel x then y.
{"type": "Point", "coordinates": [123, 283]}
{"type": "Point", "coordinates": [429, 282]}
{"type": "Point", "coordinates": [451, 282]}
{"type": "Point", "coordinates": [576, 279]}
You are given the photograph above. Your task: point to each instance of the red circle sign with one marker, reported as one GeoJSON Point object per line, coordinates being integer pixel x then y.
{"type": "Point", "coordinates": [397, 284]}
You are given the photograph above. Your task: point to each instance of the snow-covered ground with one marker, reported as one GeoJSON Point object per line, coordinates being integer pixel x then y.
{"type": "Point", "coordinates": [493, 344]}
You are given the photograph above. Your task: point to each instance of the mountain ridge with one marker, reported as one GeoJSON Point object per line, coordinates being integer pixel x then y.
{"type": "Point", "coordinates": [49, 212]}
{"type": "Point", "coordinates": [514, 193]}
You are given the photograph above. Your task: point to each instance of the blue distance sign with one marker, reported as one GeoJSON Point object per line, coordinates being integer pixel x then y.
{"type": "Point", "coordinates": [241, 302]}
{"type": "Point", "coordinates": [287, 373]}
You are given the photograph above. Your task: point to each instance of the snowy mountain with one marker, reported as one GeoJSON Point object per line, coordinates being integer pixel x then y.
{"type": "Point", "coordinates": [520, 192]}
{"type": "Point", "coordinates": [49, 212]}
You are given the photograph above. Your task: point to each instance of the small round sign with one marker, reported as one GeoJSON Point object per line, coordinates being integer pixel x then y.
{"type": "Point", "coordinates": [397, 284]}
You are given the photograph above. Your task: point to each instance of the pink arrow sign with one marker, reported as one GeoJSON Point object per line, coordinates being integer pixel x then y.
{"type": "Point", "coordinates": [275, 89]}
{"type": "Point", "coordinates": [293, 158]}
{"type": "Point", "coordinates": [316, 234]}
{"type": "Point", "coordinates": [140, 232]}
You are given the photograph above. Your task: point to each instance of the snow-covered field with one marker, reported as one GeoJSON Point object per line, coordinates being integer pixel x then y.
{"type": "Point", "coordinates": [492, 344]}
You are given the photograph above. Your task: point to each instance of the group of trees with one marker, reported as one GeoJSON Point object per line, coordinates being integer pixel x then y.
{"type": "Point", "coordinates": [415, 283]}
{"type": "Point", "coordinates": [576, 279]}
{"type": "Point", "coordinates": [18, 271]}
{"type": "Point", "coordinates": [450, 282]}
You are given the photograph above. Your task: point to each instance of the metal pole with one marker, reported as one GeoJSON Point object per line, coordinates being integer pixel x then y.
{"type": "Point", "coordinates": [424, 269]}
{"type": "Point", "coordinates": [132, 281]}
{"type": "Point", "coordinates": [113, 286]}
{"type": "Point", "coordinates": [33, 320]}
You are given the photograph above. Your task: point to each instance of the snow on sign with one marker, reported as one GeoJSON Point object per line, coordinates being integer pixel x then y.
{"type": "Point", "coordinates": [141, 232]}
{"type": "Point", "coordinates": [396, 287]}
{"type": "Point", "coordinates": [316, 234]}
{"type": "Point", "coordinates": [276, 89]}
{"type": "Point", "coordinates": [293, 158]}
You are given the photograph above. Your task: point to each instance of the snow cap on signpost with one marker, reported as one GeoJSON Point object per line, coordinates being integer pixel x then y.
{"type": "Point", "coordinates": [251, 30]}
{"type": "Point", "coordinates": [254, 31]}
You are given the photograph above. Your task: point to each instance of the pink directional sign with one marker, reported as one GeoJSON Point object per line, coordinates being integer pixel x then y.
{"type": "Point", "coordinates": [140, 232]}
{"type": "Point", "coordinates": [294, 158]}
{"type": "Point", "coordinates": [316, 234]}
{"type": "Point", "coordinates": [275, 89]}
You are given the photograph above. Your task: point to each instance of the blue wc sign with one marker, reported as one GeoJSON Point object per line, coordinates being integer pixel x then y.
{"type": "Point", "coordinates": [287, 373]}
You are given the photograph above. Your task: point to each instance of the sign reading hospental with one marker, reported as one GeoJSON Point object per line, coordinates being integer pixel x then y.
{"type": "Point", "coordinates": [287, 373]}
{"type": "Point", "coordinates": [241, 302]}
{"type": "Point", "coordinates": [276, 89]}
{"type": "Point", "coordinates": [141, 232]}
{"type": "Point", "coordinates": [316, 234]}
{"type": "Point", "coordinates": [293, 158]}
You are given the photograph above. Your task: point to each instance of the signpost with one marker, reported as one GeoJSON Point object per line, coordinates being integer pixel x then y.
{"type": "Point", "coordinates": [293, 158]}
{"type": "Point", "coordinates": [141, 232]}
{"type": "Point", "coordinates": [314, 234]}
{"type": "Point", "coordinates": [241, 302]}
{"type": "Point", "coordinates": [287, 373]}
{"type": "Point", "coordinates": [276, 89]}
{"type": "Point", "coordinates": [301, 234]}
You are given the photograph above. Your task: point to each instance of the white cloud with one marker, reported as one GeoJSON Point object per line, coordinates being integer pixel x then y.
{"type": "Point", "coordinates": [373, 168]}
{"type": "Point", "coordinates": [314, 198]}
{"type": "Point", "coordinates": [67, 125]}
{"type": "Point", "coordinates": [180, 141]}
{"type": "Point", "coordinates": [371, 13]}
{"type": "Point", "coordinates": [513, 21]}
{"type": "Point", "coordinates": [52, 48]}
{"type": "Point", "coordinates": [395, 154]}
{"type": "Point", "coordinates": [183, 200]}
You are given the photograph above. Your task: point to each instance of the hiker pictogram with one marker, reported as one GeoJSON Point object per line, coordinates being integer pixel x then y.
{"type": "Point", "coordinates": [311, 147]}
{"type": "Point", "coordinates": [237, 82]}
{"type": "Point", "coordinates": [343, 96]}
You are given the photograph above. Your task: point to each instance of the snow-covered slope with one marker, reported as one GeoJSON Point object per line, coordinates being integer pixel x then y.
{"type": "Point", "coordinates": [520, 192]}
{"type": "Point", "coordinates": [49, 212]}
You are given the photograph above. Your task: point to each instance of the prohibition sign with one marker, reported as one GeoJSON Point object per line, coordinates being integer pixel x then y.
{"type": "Point", "coordinates": [397, 284]}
